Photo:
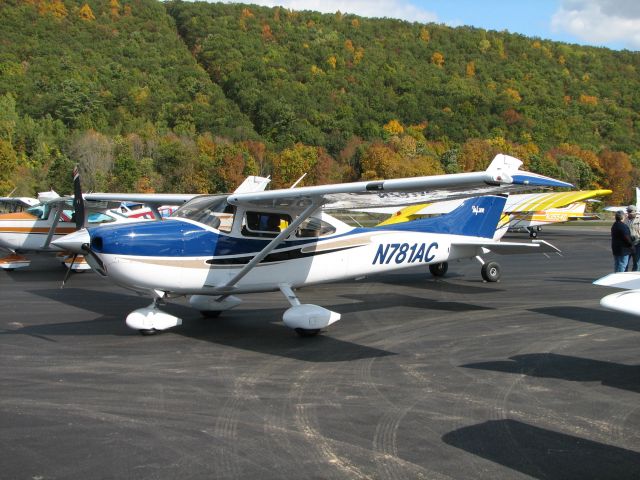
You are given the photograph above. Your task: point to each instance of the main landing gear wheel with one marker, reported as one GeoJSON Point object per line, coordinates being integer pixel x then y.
{"type": "Point", "coordinates": [491, 271]}
{"type": "Point", "coordinates": [210, 313]}
{"type": "Point", "coordinates": [148, 332]}
{"type": "Point", "coordinates": [307, 332]}
{"type": "Point", "coordinates": [439, 269]}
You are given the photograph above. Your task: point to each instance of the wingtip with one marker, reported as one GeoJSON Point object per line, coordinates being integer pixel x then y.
{"type": "Point", "coordinates": [535, 180]}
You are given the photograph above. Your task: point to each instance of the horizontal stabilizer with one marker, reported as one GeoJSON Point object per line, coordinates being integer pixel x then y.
{"type": "Point", "coordinates": [511, 248]}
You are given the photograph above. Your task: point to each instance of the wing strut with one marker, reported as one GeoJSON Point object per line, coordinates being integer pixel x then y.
{"type": "Point", "coordinates": [52, 229]}
{"type": "Point", "coordinates": [306, 213]}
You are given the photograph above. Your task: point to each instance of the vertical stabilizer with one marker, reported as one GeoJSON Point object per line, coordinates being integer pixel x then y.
{"type": "Point", "coordinates": [476, 217]}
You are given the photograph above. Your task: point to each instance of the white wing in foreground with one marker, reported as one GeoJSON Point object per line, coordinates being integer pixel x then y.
{"type": "Point", "coordinates": [627, 301]}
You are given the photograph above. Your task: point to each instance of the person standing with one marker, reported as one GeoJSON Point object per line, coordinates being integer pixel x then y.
{"type": "Point", "coordinates": [633, 222]}
{"type": "Point", "coordinates": [621, 244]}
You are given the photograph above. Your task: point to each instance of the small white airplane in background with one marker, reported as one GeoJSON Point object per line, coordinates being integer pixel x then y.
{"type": "Point", "coordinates": [614, 208]}
{"type": "Point", "coordinates": [36, 228]}
{"type": "Point", "coordinates": [627, 301]}
{"type": "Point", "coordinates": [217, 246]}
{"type": "Point", "coordinates": [16, 204]}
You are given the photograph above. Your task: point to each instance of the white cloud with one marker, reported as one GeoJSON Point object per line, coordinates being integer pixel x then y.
{"type": "Point", "coordinates": [366, 8]}
{"type": "Point", "coordinates": [600, 21]}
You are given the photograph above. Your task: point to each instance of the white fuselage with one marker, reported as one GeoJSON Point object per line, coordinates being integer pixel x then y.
{"type": "Point", "coordinates": [25, 232]}
{"type": "Point", "coordinates": [355, 255]}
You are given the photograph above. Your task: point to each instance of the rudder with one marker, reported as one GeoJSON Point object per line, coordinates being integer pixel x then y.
{"type": "Point", "coordinates": [476, 217]}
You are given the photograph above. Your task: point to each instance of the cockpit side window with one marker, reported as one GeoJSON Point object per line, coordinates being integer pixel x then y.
{"type": "Point", "coordinates": [212, 211]}
{"type": "Point", "coordinates": [40, 211]}
{"type": "Point", "coordinates": [314, 227]}
{"type": "Point", "coordinates": [264, 224]}
{"type": "Point", "coordinates": [99, 217]}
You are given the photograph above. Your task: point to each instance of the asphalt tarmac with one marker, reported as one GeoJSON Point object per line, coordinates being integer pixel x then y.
{"type": "Point", "coordinates": [427, 378]}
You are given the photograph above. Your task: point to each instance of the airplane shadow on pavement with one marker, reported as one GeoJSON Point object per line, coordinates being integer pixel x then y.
{"type": "Point", "coordinates": [544, 454]}
{"type": "Point", "coordinates": [574, 369]}
{"type": "Point", "coordinates": [377, 301]}
{"type": "Point", "coordinates": [595, 316]}
{"type": "Point", "coordinates": [258, 330]}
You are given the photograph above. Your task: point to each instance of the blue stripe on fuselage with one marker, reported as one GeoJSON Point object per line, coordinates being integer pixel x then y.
{"type": "Point", "coordinates": [174, 238]}
{"type": "Point", "coordinates": [177, 238]}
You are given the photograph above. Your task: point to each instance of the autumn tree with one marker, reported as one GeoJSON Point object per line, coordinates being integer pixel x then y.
{"type": "Point", "coordinates": [85, 13]}
{"type": "Point", "coordinates": [293, 162]}
{"type": "Point", "coordinates": [475, 154]}
{"type": "Point", "coordinates": [393, 127]}
{"type": "Point", "coordinates": [379, 161]}
{"type": "Point", "coordinates": [114, 9]}
{"type": "Point", "coordinates": [619, 175]}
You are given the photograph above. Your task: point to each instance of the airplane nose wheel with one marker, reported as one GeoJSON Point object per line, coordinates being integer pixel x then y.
{"type": "Point", "coordinates": [491, 271]}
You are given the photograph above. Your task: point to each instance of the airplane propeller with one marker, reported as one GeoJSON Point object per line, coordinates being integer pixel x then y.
{"type": "Point", "coordinates": [79, 215]}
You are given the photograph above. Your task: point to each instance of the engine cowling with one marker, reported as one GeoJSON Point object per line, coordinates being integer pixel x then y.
{"type": "Point", "coordinates": [309, 317]}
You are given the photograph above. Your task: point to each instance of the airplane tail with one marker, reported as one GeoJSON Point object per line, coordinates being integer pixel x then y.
{"type": "Point", "coordinates": [476, 217]}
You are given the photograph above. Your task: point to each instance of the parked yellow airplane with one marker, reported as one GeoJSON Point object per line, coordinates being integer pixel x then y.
{"type": "Point", "coordinates": [522, 212]}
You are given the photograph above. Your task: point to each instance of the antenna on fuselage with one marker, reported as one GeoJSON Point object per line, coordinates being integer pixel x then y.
{"type": "Point", "coordinates": [298, 181]}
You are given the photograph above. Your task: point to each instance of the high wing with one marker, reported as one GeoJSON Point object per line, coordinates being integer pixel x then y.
{"type": "Point", "coordinates": [146, 198]}
{"type": "Point", "coordinates": [503, 174]}
{"type": "Point", "coordinates": [251, 184]}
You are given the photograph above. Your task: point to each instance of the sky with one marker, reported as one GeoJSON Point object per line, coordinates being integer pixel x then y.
{"type": "Point", "coordinates": [613, 24]}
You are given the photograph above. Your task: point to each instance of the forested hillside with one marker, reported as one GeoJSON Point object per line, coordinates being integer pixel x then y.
{"type": "Point", "coordinates": [188, 96]}
{"type": "Point", "coordinates": [106, 84]}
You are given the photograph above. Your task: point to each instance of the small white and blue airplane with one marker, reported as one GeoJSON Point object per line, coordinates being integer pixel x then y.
{"type": "Point", "coordinates": [215, 247]}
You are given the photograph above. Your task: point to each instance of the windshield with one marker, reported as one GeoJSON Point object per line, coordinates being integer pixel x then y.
{"type": "Point", "coordinates": [40, 211]}
{"type": "Point", "coordinates": [209, 210]}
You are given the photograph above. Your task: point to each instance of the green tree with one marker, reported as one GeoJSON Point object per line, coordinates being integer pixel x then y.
{"type": "Point", "coordinates": [8, 167]}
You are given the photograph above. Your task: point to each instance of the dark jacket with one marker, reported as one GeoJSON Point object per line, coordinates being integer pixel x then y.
{"type": "Point", "coordinates": [621, 239]}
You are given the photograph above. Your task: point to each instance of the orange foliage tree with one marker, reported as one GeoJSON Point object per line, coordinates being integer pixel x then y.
{"type": "Point", "coordinates": [619, 175]}
{"type": "Point", "coordinates": [293, 162]}
{"type": "Point", "coordinates": [437, 59]}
